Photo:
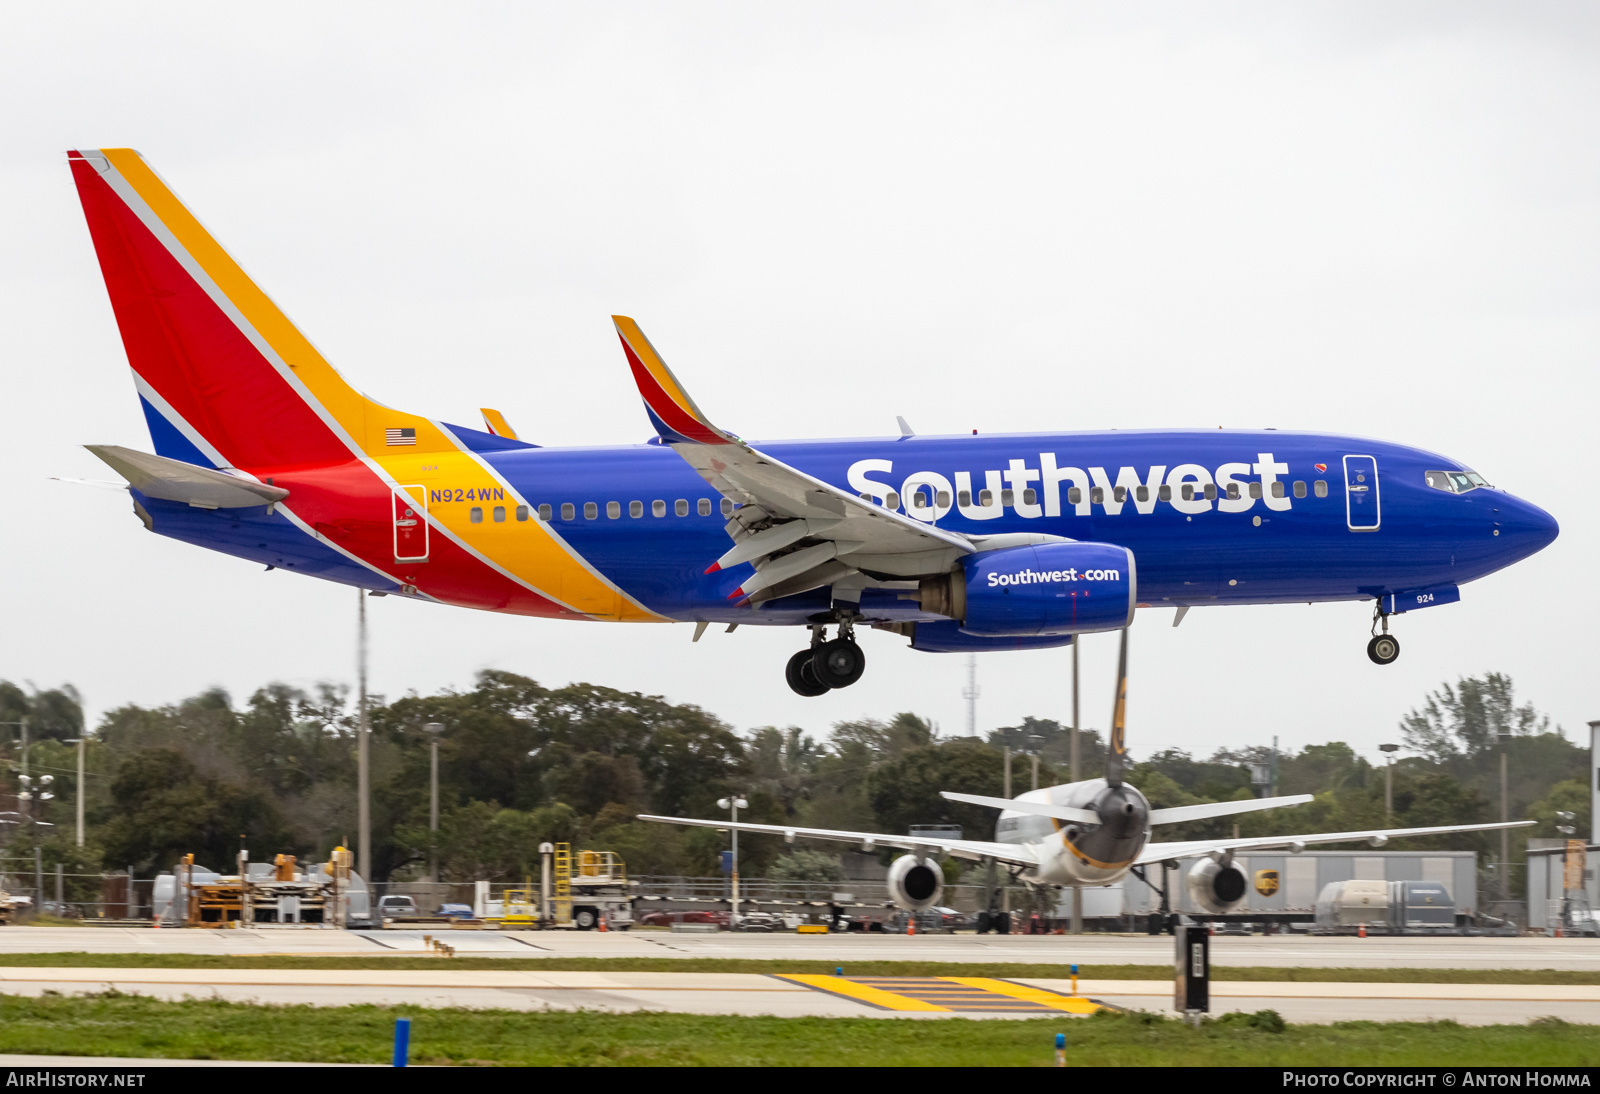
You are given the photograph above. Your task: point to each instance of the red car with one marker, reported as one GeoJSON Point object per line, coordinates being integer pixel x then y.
{"type": "Point", "coordinates": [662, 918]}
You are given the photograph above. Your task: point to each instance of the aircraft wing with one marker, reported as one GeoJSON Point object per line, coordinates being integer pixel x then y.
{"type": "Point", "coordinates": [782, 506]}
{"type": "Point", "coordinates": [1157, 852]}
{"type": "Point", "coordinates": [1014, 853]}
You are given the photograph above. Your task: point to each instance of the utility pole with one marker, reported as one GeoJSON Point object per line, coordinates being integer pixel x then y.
{"type": "Point", "coordinates": [1005, 894]}
{"type": "Point", "coordinates": [1077, 890]}
{"type": "Point", "coordinates": [970, 694]}
{"type": "Point", "coordinates": [1505, 815]}
{"type": "Point", "coordinates": [433, 729]}
{"type": "Point", "coordinates": [363, 775]}
{"type": "Point", "coordinates": [79, 741]}
{"type": "Point", "coordinates": [1388, 783]}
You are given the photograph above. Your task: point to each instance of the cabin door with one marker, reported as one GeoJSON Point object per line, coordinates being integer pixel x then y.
{"type": "Point", "coordinates": [410, 524]}
{"type": "Point", "coordinates": [1361, 504]}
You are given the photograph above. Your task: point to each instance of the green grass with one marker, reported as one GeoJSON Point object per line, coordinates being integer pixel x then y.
{"type": "Point", "coordinates": [114, 1024]}
{"type": "Point", "coordinates": [1014, 970]}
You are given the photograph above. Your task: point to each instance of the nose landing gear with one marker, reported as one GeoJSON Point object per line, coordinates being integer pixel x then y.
{"type": "Point", "coordinates": [826, 665]}
{"type": "Point", "coordinates": [1385, 647]}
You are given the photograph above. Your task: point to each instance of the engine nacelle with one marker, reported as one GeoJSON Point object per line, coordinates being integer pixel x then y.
{"type": "Point", "coordinates": [1042, 589]}
{"type": "Point", "coordinates": [1216, 888]}
{"type": "Point", "coordinates": [915, 883]}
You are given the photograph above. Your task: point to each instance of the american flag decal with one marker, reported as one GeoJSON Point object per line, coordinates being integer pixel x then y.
{"type": "Point", "coordinates": [400, 436]}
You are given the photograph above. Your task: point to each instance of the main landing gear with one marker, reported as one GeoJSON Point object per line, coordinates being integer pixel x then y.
{"type": "Point", "coordinates": [1385, 647]}
{"type": "Point", "coordinates": [826, 665]}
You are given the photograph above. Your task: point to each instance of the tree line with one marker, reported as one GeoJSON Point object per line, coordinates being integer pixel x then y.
{"type": "Point", "coordinates": [520, 763]}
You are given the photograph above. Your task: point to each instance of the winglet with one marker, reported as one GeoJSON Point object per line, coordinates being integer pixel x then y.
{"type": "Point", "coordinates": [497, 424]}
{"type": "Point", "coordinates": [673, 413]}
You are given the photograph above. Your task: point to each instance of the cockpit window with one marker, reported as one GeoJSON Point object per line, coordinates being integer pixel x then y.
{"type": "Point", "coordinates": [1456, 482]}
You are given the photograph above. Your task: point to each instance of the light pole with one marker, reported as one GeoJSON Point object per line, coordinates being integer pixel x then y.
{"type": "Point", "coordinates": [1594, 782]}
{"type": "Point", "coordinates": [79, 741]}
{"type": "Point", "coordinates": [1388, 782]}
{"type": "Point", "coordinates": [433, 730]}
{"type": "Point", "coordinates": [363, 776]}
{"type": "Point", "coordinates": [734, 804]}
{"type": "Point", "coordinates": [1077, 891]}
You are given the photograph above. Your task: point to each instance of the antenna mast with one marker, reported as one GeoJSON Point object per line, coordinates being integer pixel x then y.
{"type": "Point", "coordinates": [970, 693]}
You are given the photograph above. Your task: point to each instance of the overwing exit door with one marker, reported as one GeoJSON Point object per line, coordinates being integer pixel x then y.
{"type": "Point", "coordinates": [1361, 505]}
{"type": "Point", "coordinates": [410, 524]}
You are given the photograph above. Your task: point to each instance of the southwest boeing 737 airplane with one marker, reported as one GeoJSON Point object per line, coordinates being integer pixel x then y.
{"type": "Point", "coordinates": [960, 543]}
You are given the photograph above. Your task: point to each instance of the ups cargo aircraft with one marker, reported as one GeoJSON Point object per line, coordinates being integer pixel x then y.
{"type": "Point", "coordinates": [958, 543]}
{"type": "Point", "coordinates": [1088, 833]}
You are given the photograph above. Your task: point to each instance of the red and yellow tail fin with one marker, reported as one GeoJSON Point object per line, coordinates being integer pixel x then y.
{"type": "Point", "coordinates": [212, 355]}
{"type": "Point", "coordinates": [674, 414]}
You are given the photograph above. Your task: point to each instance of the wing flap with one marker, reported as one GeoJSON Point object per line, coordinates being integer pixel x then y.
{"type": "Point", "coordinates": [1178, 814]}
{"type": "Point", "coordinates": [968, 849]}
{"type": "Point", "coordinates": [1156, 852]}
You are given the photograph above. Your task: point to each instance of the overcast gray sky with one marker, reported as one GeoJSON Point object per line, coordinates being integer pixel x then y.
{"type": "Point", "coordinates": [1368, 218]}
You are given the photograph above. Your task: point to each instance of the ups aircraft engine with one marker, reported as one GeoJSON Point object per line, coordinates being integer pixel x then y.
{"type": "Point", "coordinates": [1041, 589]}
{"type": "Point", "coordinates": [915, 882]}
{"type": "Point", "coordinates": [1217, 887]}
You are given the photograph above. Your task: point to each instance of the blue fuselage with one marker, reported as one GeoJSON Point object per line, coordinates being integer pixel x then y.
{"type": "Point", "coordinates": [1301, 528]}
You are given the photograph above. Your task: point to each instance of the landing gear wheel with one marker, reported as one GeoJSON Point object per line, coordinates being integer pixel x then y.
{"type": "Point", "coordinates": [839, 663]}
{"type": "Point", "coordinates": [802, 677]}
{"type": "Point", "coordinates": [985, 922]}
{"type": "Point", "coordinates": [1002, 923]}
{"type": "Point", "coordinates": [1383, 649]}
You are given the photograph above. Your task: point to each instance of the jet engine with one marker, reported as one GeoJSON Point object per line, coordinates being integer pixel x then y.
{"type": "Point", "coordinates": [1044, 589]}
{"type": "Point", "coordinates": [1215, 887]}
{"type": "Point", "coordinates": [914, 882]}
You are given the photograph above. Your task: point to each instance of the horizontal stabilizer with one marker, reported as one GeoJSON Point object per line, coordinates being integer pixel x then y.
{"type": "Point", "coordinates": [1038, 809]}
{"type": "Point", "coordinates": [174, 480]}
{"type": "Point", "coordinates": [1181, 813]}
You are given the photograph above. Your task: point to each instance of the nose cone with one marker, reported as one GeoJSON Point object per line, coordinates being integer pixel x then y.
{"type": "Point", "coordinates": [1524, 528]}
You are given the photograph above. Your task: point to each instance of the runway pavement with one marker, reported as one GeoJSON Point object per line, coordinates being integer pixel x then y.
{"type": "Point", "coordinates": [755, 994]}
{"type": "Point", "coordinates": [1276, 951]}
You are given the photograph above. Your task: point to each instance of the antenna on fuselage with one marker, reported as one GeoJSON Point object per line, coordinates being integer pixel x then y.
{"type": "Point", "coordinates": [1117, 749]}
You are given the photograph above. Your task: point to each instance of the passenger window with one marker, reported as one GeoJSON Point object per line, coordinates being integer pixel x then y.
{"type": "Point", "coordinates": [864, 496]}
{"type": "Point", "coordinates": [1074, 496]}
{"type": "Point", "coordinates": [966, 498]}
{"type": "Point", "coordinates": [658, 508]}
{"type": "Point", "coordinates": [499, 514]}
{"type": "Point", "coordinates": [681, 507]}
{"type": "Point", "coordinates": [1006, 498]}
{"type": "Point", "coordinates": [727, 507]}
{"type": "Point", "coordinates": [1141, 493]}
{"type": "Point", "coordinates": [1030, 496]}
{"type": "Point", "coordinates": [1188, 491]}
{"type": "Point", "coordinates": [1320, 488]}
{"type": "Point", "coordinates": [1277, 489]}
{"type": "Point", "coordinates": [892, 500]}
{"type": "Point", "coordinates": [1097, 496]}
{"type": "Point", "coordinates": [1233, 491]}
{"type": "Point", "coordinates": [545, 513]}
{"type": "Point", "coordinates": [916, 499]}
{"type": "Point", "coordinates": [636, 508]}
{"type": "Point", "coordinates": [1299, 489]}
{"type": "Point", "coordinates": [1255, 490]}
{"type": "Point", "coordinates": [1120, 493]}
{"type": "Point", "coordinates": [1164, 492]}
{"type": "Point", "coordinates": [477, 515]}
{"type": "Point", "coordinates": [568, 511]}
{"type": "Point", "coordinates": [703, 507]}
{"type": "Point", "coordinates": [522, 512]}
{"type": "Point", "coordinates": [985, 498]}
{"type": "Point", "coordinates": [1211, 491]}
{"type": "Point", "coordinates": [590, 510]}
{"type": "Point", "coordinates": [613, 509]}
